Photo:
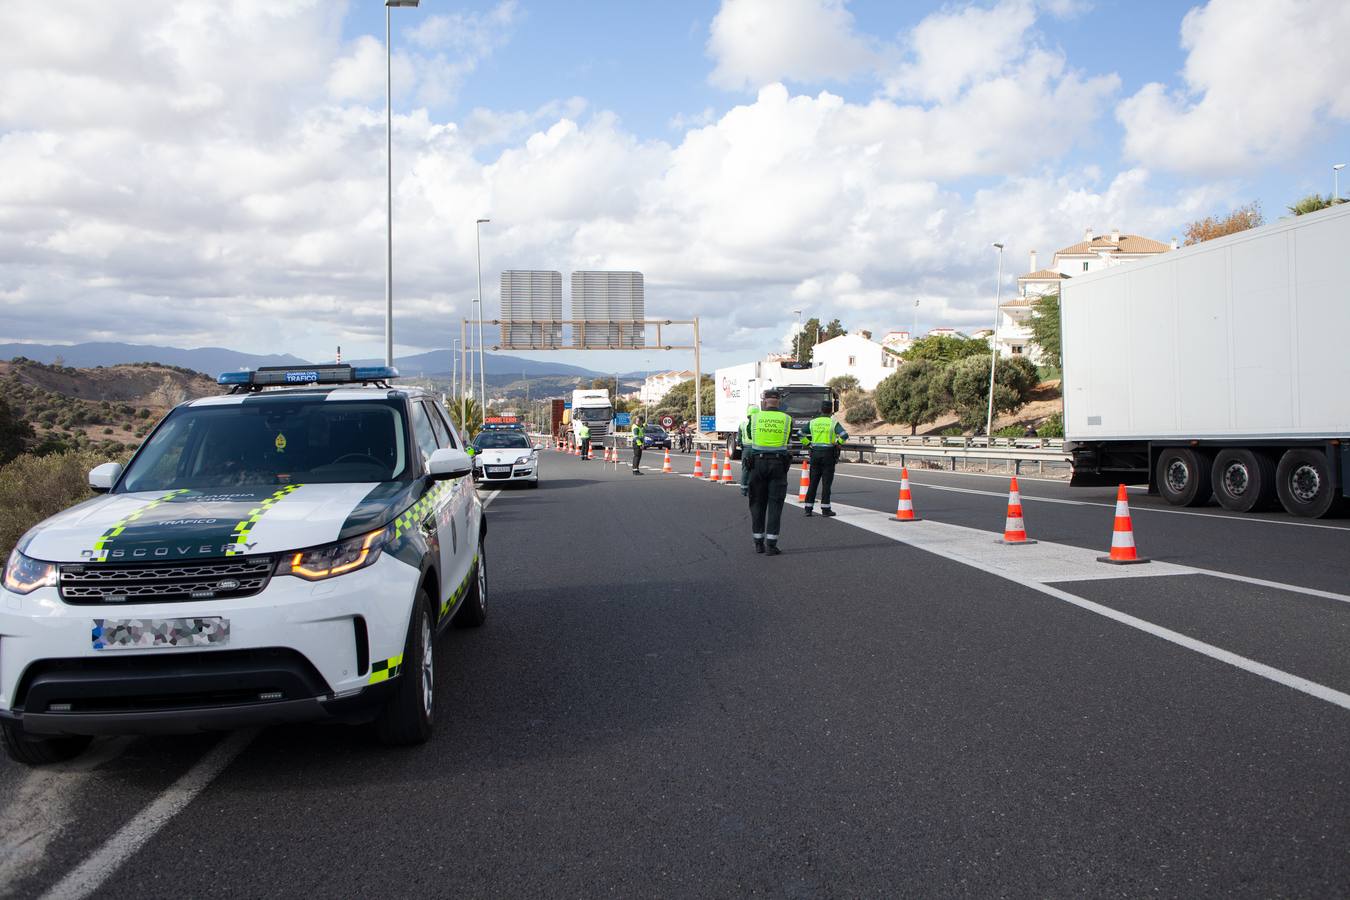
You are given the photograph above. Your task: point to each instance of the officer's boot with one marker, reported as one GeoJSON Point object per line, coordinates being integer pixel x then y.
{"type": "Point", "coordinates": [826, 511]}
{"type": "Point", "coordinates": [759, 545]}
{"type": "Point", "coordinates": [771, 548]}
{"type": "Point", "coordinates": [809, 513]}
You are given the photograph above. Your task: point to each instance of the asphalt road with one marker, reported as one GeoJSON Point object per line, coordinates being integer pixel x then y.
{"type": "Point", "coordinates": [884, 710]}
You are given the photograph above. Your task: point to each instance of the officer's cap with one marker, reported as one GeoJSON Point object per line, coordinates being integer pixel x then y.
{"type": "Point", "coordinates": [772, 394]}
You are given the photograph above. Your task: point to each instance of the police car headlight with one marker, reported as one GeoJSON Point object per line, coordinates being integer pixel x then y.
{"type": "Point", "coordinates": [523, 460]}
{"type": "Point", "coordinates": [334, 559]}
{"type": "Point", "coordinates": [23, 574]}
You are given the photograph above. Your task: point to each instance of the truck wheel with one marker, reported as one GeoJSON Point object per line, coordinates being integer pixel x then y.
{"type": "Point", "coordinates": [1304, 483]}
{"type": "Point", "coordinates": [1243, 480]}
{"type": "Point", "coordinates": [1182, 476]}
{"type": "Point", "coordinates": [39, 751]}
{"type": "Point", "coordinates": [408, 716]}
{"type": "Point", "coordinates": [732, 450]}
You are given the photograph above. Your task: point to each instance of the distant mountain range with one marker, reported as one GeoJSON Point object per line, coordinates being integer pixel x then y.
{"type": "Point", "coordinates": [214, 360]}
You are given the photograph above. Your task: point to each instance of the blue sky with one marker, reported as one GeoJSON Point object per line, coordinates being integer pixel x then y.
{"type": "Point", "coordinates": [212, 173]}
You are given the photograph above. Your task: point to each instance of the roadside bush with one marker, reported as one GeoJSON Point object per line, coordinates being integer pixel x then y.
{"type": "Point", "coordinates": [964, 387]}
{"type": "Point", "coordinates": [859, 408]}
{"type": "Point", "coordinates": [953, 431]}
{"type": "Point", "coordinates": [35, 487]}
{"type": "Point", "coordinates": [1053, 426]}
{"type": "Point", "coordinates": [1010, 431]}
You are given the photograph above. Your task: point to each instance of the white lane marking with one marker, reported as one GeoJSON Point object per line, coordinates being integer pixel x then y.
{"type": "Point", "coordinates": [118, 849]}
{"type": "Point", "coordinates": [39, 808]}
{"type": "Point", "coordinates": [1004, 475]}
{"type": "Point", "coordinates": [976, 547]}
{"type": "Point", "coordinates": [1135, 509]}
{"type": "Point", "coordinates": [492, 495]}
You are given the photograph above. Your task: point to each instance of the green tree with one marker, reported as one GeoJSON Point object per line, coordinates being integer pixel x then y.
{"type": "Point", "coordinates": [906, 396]}
{"type": "Point", "coordinates": [811, 334]}
{"type": "Point", "coordinates": [1045, 329]}
{"type": "Point", "coordinates": [15, 433]}
{"type": "Point", "coordinates": [34, 487]}
{"type": "Point", "coordinates": [844, 384]}
{"type": "Point", "coordinates": [1312, 203]}
{"type": "Point", "coordinates": [944, 348]}
{"type": "Point", "coordinates": [679, 400]}
{"type": "Point", "coordinates": [467, 416]}
{"type": "Point", "coordinates": [964, 387]}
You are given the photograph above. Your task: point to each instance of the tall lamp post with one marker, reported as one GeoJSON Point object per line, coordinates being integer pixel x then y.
{"type": "Point", "coordinates": [1336, 182]}
{"type": "Point", "coordinates": [993, 347]}
{"type": "Point", "coordinates": [389, 184]}
{"type": "Point", "coordinates": [482, 377]}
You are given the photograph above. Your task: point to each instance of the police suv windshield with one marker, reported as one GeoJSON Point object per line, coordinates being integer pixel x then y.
{"type": "Point", "coordinates": [500, 440]}
{"type": "Point", "coordinates": [272, 439]}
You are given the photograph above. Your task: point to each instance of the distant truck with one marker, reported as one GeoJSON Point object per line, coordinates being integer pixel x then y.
{"type": "Point", "coordinates": [1219, 369]}
{"type": "Point", "coordinates": [738, 387]}
{"type": "Point", "coordinates": [593, 408]}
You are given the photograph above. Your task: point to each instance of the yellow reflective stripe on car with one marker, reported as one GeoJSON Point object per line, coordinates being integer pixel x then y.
{"type": "Point", "coordinates": [385, 668]}
{"type": "Point", "coordinates": [241, 530]}
{"type": "Point", "coordinates": [461, 590]}
{"type": "Point", "coordinates": [100, 553]}
{"type": "Point", "coordinates": [415, 513]}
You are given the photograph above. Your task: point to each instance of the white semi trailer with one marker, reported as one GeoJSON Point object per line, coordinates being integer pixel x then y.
{"type": "Point", "coordinates": [1221, 369]}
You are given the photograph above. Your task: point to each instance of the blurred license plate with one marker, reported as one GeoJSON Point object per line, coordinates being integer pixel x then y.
{"type": "Point", "coordinates": [149, 634]}
{"type": "Point", "coordinates": [499, 470]}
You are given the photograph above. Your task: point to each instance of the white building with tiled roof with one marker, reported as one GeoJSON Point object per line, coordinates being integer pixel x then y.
{"type": "Point", "coordinates": [658, 385]}
{"type": "Point", "coordinates": [1093, 253]}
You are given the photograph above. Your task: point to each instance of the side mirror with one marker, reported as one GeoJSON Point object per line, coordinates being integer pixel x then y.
{"type": "Point", "coordinates": [449, 463]}
{"type": "Point", "coordinates": [102, 478]}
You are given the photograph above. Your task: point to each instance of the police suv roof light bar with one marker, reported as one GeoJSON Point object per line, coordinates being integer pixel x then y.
{"type": "Point", "coordinates": [282, 376]}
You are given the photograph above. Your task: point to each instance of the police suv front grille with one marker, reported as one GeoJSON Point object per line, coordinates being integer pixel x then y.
{"type": "Point", "coordinates": [96, 583]}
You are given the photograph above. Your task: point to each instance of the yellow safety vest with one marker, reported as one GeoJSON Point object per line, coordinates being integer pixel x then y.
{"type": "Point", "coordinates": [770, 430]}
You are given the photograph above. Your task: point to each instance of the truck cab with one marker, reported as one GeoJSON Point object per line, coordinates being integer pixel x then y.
{"type": "Point", "coordinates": [739, 387]}
{"type": "Point", "coordinates": [592, 407]}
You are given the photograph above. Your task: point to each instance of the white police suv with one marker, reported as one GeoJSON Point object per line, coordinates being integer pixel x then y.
{"type": "Point", "coordinates": [285, 552]}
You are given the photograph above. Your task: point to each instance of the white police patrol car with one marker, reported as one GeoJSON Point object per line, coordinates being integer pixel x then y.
{"type": "Point", "coordinates": [504, 454]}
{"type": "Point", "coordinates": [285, 552]}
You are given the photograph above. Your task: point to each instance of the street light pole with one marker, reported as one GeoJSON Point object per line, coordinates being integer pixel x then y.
{"type": "Point", "coordinates": [993, 347]}
{"type": "Point", "coordinates": [389, 183]}
{"type": "Point", "coordinates": [1336, 182]}
{"type": "Point", "coordinates": [482, 376]}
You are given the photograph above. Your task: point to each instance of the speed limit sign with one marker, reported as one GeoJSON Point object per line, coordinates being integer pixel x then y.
{"type": "Point", "coordinates": [668, 421]}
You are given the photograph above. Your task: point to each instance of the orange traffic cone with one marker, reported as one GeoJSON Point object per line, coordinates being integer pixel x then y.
{"type": "Point", "coordinates": [726, 469]}
{"type": "Point", "coordinates": [698, 464]}
{"type": "Point", "coordinates": [904, 510]}
{"type": "Point", "coordinates": [1122, 537]}
{"type": "Point", "coordinates": [805, 482]}
{"type": "Point", "coordinates": [1014, 528]}
{"type": "Point", "coordinates": [665, 466]}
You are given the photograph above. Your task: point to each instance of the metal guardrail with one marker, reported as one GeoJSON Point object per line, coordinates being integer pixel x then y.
{"type": "Point", "coordinates": [893, 449]}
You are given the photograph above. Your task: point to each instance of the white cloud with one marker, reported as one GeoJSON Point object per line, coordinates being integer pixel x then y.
{"type": "Point", "coordinates": [1261, 80]}
{"type": "Point", "coordinates": [756, 42]}
{"type": "Point", "coordinates": [955, 48]}
{"type": "Point", "coordinates": [164, 184]}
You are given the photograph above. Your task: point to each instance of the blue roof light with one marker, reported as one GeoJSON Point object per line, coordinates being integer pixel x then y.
{"type": "Point", "coordinates": [325, 373]}
{"type": "Point", "coordinates": [374, 373]}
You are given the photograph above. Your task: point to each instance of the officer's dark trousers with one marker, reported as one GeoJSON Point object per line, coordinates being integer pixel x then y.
{"type": "Point", "coordinates": [586, 448]}
{"type": "Point", "coordinates": [637, 455]}
{"type": "Point", "coordinates": [822, 477]}
{"type": "Point", "coordinates": [768, 489]}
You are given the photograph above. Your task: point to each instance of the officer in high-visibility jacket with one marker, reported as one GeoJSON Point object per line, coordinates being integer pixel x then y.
{"type": "Point", "coordinates": [746, 454]}
{"type": "Point", "coordinates": [584, 435]}
{"type": "Point", "coordinates": [769, 432]}
{"type": "Point", "coordinates": [639, 434]}
{"type": "Point", "coordinates": [824, 436]}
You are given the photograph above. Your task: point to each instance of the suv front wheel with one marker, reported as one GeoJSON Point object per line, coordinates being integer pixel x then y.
{"type": "Point", "coordinates": [408, 716]}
